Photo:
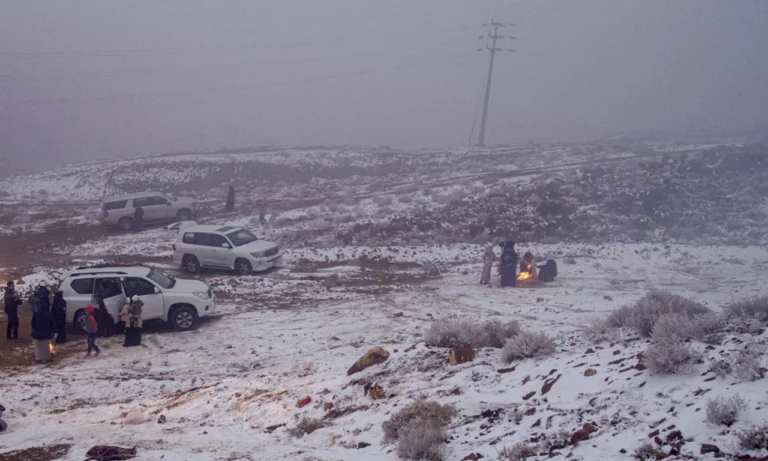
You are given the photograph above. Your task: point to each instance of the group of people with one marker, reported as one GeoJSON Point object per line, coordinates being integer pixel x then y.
{"type": "Point", "coordinates": [49, 320]}
{"type": "Point", "coordinates": [230, 206]}
{"type": "Point", "coordinates": [508, 266]}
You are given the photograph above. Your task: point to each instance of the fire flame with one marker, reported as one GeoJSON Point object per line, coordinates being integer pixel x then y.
{"type": "Point", "coordinates": [524, 276]}
{"type": "Point", "coordinates": [51, 349]}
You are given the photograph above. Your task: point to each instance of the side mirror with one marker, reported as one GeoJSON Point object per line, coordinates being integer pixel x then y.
{"type": "Point", "coordinates": [225, 245]}
{"type": "Point", "coordinates": [157, 291]}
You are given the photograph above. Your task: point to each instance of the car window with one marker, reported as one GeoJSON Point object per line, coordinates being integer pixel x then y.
{"type": "Point", "coordinates": [108, 287]}
{"type": "Point", "coordinates": [161, 279]}
{"type": "Point", "coordinates": [144, 201]}
{"type": "Point", "coordinates": [188, 238]}
{"type": "Point", "coordinates": [203, 239]}
{"type": "Point", "coordinates": [241, 237]}
{"type": "Point", "coordinates": [218, 240]}
{"type": "Point", "coordinates": [137, 286]}
{"type": "Point", "coordinates": [159, 201]}
{"type": "Point", "coordinates": [119, 205]}
{"type": "Point", "coordinates": [82, 286]}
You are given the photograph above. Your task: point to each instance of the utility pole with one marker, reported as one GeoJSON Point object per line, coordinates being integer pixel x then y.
{"type": "Point", "coordinates": [493, 35]}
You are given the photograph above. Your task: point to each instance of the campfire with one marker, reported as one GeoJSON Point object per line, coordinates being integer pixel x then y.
{"type": "Point", "coordinates": [524, 276]}
{"type": "Point", "coordinates": [51, 348]}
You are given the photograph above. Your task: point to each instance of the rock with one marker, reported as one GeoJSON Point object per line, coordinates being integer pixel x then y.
{"type": "Point", "coordinates": [607, 298]}
{"type": "Point", "coordinates": [583, 433]}
{"type": "Point", "coordinates": [472, 457]}
{"type": "Point", "coordinates": [135, 417]}
{"type": "Point", "coordinates": [409, 348]}
{"type": "Point", "coordinates": [376, 392]}
{"type": "Point", "coordinates": [529, 395]}
{"type": "Point", "coordinates": [653, 434]}
{"type": "Point", "coordinates": [539, 300]}
{"type": "Point", "coordinates": [303, 402]}
{"type": "Point", "coordinates": [674, 435]}
{"type": "Point", "coordinates": [399, 314]}
{"type": "Point", "coordinates": [506, 370]}
{"type": "Point", "coordinates": [363, 445]}
{"type": "Point", "coordinates": [162, 419]}
{"type": "Point", "coordinates": [590, 372]}
{"type": "Point", "coordinates": [459, 355]}
{"type": "Point", "coordinates": [372, 357]}
{"type": "Point", "coordinates": [709, 448]}
{"type": "Point", "coordinates": [271, 429]}
{"type": "Point", "coordinates": [548, 384]}
{"type": "Point", "coordinates": [327, 406]}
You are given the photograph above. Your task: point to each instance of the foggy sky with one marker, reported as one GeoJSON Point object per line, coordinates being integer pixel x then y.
{"type": "Point", "coordinates": [110, 78]}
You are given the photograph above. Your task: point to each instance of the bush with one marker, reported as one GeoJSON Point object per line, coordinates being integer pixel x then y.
{"type": "Point", "coordinates": [700, 327]}
{"type": "Point", "coordinates": [420, 439]}
{"type": "Point", "coordinates": [643, 315]}
{"type": "Point", "coordinates": [754, 308]}
{"type": "Point", "coordinates": [753, 437]}
{"type": "Point", "coordinates": [725, 410]}
{"type": "Point", "coordinates": [306, 426]}
{"type": "Point", "coordinates": [527, 345]}
{"type": "Point", "coordinates": [429, 413]}
{"type": "Point", "coordinates": [648, 452]}
{"type": "Point", "coordinates": [518, 452]}
{"type": "Point", "coordinates": [598, 331]}
{"type": "Point", "coordinates": [670, 357]}
{"type": "Point", "coordinates": [746, 365]}
{"type": "Point", "coordinates": [455, 333]}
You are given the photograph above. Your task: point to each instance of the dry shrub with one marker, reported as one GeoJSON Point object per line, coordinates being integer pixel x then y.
{"type": "Point", "coordinates": [517, 452]}
{"type": "Point", "coordinates": [527, 345]}
{"type": "Point", "coordinates": [647, 452]}
{"type": "Point", "coordinates": [721, 368]}
{"type": "Point", "coordinates": [751, 308]}
{"type": "Point", "coordinates": [725, 411]}
{"type": "Point", "coordinates": [747, 365]}
{"type": "Point", "coordinates": [670, 357]}
{"type": "Point", "coordinates": [642, 315]}
{"type": "Point", "coordinates": [677, 326]}
{"type": "Point", "coordinates": [455, 333]}
{"type": "Point", "coordinates": [598, 331]}
{"type": "Point", "coordinates": [418, 439]}
{"type": "Point", "coordinates": [753, 437]}
{"type": "Point", "coordinates": [431, 413]}
{"type": "Point", "coordinates": [306, 426]}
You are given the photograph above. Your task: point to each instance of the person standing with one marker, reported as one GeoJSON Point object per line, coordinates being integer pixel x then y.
{"type": "Point", "coordinates": [138, 219]}
{"type": "Point", "coordinates": [59, 312]}
{"type": "Point", "coordinates": [230, 206]}
{"type": "Point", "coordinates": [508, 264]}
{"type": "Point", "coordinates": [43, 331]}
{"type": "Point", "coordinates": [134, 322]}
{"type": "Point", "coordinates": [488, 258]}
{"type": "Point", "coordinates": [106, 322]}
{"type": "Point", "coordinates": [262, 213]}
{"type": "Point", "coordinates": [11, 309]}
{"type": "Point", "coordinates": [91, 327]}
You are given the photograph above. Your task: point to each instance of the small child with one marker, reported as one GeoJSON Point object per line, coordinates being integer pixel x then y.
{"type": "Point", "coordinates": [89, 325]}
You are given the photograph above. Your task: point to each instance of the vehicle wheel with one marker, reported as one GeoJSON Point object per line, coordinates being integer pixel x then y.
{"type": "Point", "coordinates": [76, 321]}
{"type": "Point", "coordinates": [183, 318]}
{"type": "Point", "coordinates": [184, 215]}
{"type": "Point", "coordinates": [243, 267]}
{"type": "Point", "coordinates": [191, 264]}
{"type": "Point", "coordinates": [125, 224]}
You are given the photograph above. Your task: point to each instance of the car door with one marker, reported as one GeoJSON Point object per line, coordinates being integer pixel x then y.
{"type": "Point", "coordinates": [145, 203]}
{"type": "Point", "coordinates": [154, 307]}
{"type": "Point", "coordinates": [163, 208]}
{"type": "Point", "coordinates": [221, 250]}
{"type": "Point", "coordinates": [111, 290]}
{"type": "Point", "coordinates": [203, 249]}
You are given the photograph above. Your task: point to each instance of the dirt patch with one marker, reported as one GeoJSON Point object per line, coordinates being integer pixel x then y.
{"type": "Point", "coordinates": [49, 453]}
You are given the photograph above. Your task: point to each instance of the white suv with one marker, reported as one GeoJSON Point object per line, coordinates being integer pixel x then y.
{"type": "Point", "coordinates": [119, 211]}
{"type": "Point", "coordinates": [224, 247]}
{"type": "Point", "coordinates": [178, 302]}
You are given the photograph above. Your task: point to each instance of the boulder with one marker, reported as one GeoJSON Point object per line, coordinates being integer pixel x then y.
{"type": "Point", "coordinates": [459, 355]}
{"type": "Point", "coordinates": [590, 372]}
{"type": "Point", "coordinates": [709, 448]}
{"type": "Point", "coordinates": [372, 357]}
{"type": "Point", "coordinates": [134, 418]}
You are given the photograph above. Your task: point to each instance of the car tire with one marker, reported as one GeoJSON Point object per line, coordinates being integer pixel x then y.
{"type": "Point", "coordinates": [184, 215]}
{"type": "Point", "coordinates": [191, 264]}
{"type": "Point", "coordinates": [243, 267]}
{"type": "Point", "coordinates": [125, 224]}
{"type": "Point", "coordinates": [76, 325]}
{"type": "Point", "coordinates": [183, 318]}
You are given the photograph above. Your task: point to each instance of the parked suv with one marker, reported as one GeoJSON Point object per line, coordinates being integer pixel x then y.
{"type": "Point", "coordinates": [178, 302]}
{"type": "Point", "coordinates": [224, 247]}
{"type": "Point", "coordinates": [119, 211]}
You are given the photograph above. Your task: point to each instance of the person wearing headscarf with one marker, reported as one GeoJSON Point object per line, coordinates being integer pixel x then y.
{"type": "Point", "coordinates": [11, 308]}
{"type": "Point", "coordinates": [528, 265]}
{"type": "Point", "coordinates": [488, 258]}
{"type": "Point", "coordinates": [133, 321]}
{"type": "Point", "coordinates": [59, 313]}
{"type": "Point", "coordinates": [508, 264]}
{"type": "Point", "coordinates": [43, 329]}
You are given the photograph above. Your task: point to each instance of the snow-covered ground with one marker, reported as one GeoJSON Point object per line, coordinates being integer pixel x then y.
{"type": "Point", "coordinates": [225, 389]}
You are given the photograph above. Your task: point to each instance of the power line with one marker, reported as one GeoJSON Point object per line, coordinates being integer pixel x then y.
{"type": "Point", "coordinates": [107, 73]}
{"type": "Point", "coordinates": [167, 51]}
{"type": "Point", "coordinates": [494, 36]}
{"type": "Point", "coordinates": [86, 99]}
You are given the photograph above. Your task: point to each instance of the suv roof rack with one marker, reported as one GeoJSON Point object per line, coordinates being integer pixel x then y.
{"type": "Point", "coordinates": [105, 266]}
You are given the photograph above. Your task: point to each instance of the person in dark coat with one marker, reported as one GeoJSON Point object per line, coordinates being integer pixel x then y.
{"type": "Point", "coordinates": [59, 312]}
{"type": "Point", "coordinates": [508, 264]}
{"type": "Point", "coordinates": [11, 309]}
{"type": "Point", "coordinates": [132, 313]}
{"type": "Point", "coordinates": [43, 331]}
{"type": "Point", "coordinates": [230, 199]}
{"type": "Point", "coordinates": [138, 219]}
{"type": "Point", "coordinates": [105, 320]}
{"type": "Point", "coordinates": [548, 271]}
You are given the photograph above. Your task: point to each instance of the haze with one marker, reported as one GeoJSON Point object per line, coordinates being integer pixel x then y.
{"type": "Point", "coordinates": [104, 79]}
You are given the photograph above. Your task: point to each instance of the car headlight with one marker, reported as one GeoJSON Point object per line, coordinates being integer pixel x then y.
{"type": "Point", "coordinates": [258, 254]}
{"type": "Point", "coordinates": [202, 295]}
